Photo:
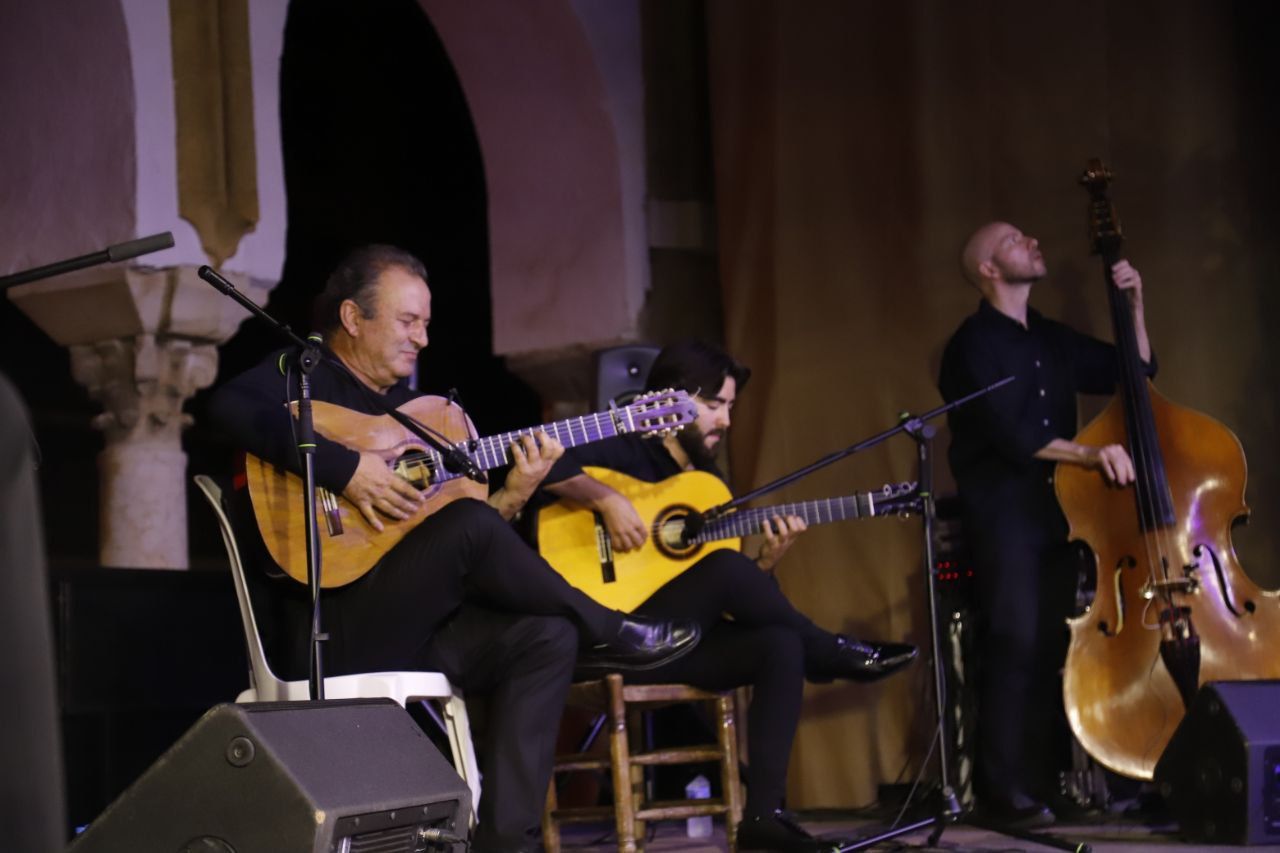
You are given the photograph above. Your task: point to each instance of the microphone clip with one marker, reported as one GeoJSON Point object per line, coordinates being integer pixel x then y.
{"type": "Point", "coordinates": [458, 462]}
{"type": "Point", "coordinates": [694, 523]}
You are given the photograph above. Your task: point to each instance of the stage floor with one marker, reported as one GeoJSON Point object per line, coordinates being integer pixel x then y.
{"type": "Point", "coordinates": [1103, 834]}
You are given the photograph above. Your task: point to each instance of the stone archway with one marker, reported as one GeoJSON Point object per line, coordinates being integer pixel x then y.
{"type": "Point", "coordinates": [557, 102]}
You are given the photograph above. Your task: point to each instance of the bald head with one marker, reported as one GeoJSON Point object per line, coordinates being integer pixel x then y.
{"type": "Point", "coordinates": [999, 252]}
{"type": "Point", "coordinates": [979, 248]}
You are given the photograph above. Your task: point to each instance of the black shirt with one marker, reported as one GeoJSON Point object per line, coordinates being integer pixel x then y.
{"type": "Point", "coordinates": [994, 438]}
{"type": "Point", "coordinates": [631, 454]}
{"type": "Point", "coordinates": [252, 408]}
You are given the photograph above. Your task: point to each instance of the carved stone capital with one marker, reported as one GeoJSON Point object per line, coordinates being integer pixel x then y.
{"type": "Point", "coordinates": [142, 341]}
{"type": "Point", "coordinates": [143, 383]}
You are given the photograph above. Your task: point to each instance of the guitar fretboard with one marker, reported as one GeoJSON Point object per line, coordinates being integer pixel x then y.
{"type": "Point", "coordinates": [494, 451]}
{"type": "Point", "coordinates": [748, 521]}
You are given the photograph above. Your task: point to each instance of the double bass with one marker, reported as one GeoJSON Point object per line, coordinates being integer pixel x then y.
{"type": "Point", "coordinates": [1173, 609]}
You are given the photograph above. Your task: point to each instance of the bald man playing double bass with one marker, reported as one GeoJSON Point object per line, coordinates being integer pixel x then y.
{"type": "Point", "coordinates": [1003, 451]}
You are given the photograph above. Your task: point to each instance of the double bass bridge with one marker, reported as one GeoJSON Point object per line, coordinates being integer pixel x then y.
{"type": "Point", "coordinates": [1180, 586]}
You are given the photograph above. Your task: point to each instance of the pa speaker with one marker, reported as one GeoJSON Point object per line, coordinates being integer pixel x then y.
{"type": "Point", "coordinates": [1220, 772]}
{"type": "Point", "coordinates": [621, 373]}
{"type": "Point", "coordinates": [310, 777]}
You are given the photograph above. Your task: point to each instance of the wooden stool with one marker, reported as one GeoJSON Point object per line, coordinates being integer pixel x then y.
{"type": "Point", "coordinates": [630, 808]}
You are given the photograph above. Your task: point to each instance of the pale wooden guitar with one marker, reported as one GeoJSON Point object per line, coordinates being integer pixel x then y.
{"type": "Point", "coordinates": [574, 540]}
{"type": "Point", "coordinates": [349, 545]}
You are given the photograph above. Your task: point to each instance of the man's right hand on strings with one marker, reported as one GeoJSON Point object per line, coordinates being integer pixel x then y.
{"type": "Point", "coordinates": [1113, 462]}
{"type": "Point", "coordinates": [374, 488]}
{"type": "Point", "coordinates": [626, 528]}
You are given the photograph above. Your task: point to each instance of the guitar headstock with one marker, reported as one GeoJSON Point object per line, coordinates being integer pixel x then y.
{"type": "Point", "coordinates": [657, 412]}
{"type": "Point", "coordinates": [900, 499]}
{"type": "Point", "coordinates": [1104, 224]}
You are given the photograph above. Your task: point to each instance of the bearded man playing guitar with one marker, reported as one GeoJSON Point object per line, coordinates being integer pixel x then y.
{"type": "Point", "coordinates": [460, 593]}
{"type": "Point", "coordinates": [768, 645]}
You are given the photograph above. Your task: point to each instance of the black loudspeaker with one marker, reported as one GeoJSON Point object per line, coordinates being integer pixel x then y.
{"type": "Point", "coordinates": [354, 776]}
{"type": "Point", "coordinates": [621, 373]}
{"type": "Point", "coordinates": [1220, 772]}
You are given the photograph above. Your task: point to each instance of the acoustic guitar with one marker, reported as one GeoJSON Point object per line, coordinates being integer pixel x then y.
{"type": "Point", "coordinates": [349, 546]}
{"type": "Point", "coordinates": [573, 539]}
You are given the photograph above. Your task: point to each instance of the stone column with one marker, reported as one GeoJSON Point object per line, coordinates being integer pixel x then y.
{"type": "Point", "coordinates": [143, 384]}
{"type": "Point", "coordinates": [142, 341]}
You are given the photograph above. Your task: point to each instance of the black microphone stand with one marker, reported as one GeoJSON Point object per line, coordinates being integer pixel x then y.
{"type": "Point", "coordinates": [309, 354]}
{"type": "Point", "coordinates": [949, 811]}
{"type": "Point", "coordinates": [695, 521]}
{"type": "Point", "coordinates": [306, 357]}
{"type": "Point", "coordinates": [109, 255]}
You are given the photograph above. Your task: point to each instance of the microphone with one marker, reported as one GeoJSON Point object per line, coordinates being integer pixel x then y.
{"type": "Point", "coordinates": [141, 246]}
{"type": "Point", "coordinates": [211, 275]}
{"type": "Point", "coordinates": [111, 254]}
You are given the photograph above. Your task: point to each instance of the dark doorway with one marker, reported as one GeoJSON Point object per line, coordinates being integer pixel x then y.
{"type": "Point", "coordinates": [379, 146]}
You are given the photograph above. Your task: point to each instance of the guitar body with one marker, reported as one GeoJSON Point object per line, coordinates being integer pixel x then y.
{"type": "Point", "coordinates": [573, 540]}
{"type": "Point", "coordinates": [346, 555]}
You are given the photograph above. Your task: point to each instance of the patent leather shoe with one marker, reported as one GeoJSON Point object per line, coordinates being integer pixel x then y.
{"type": "Point", "coordinates": [778, 830]}
{"type": "Point", "coordinates": [857, 660]}
{"type": "Point", "coordinates": [642, 644]}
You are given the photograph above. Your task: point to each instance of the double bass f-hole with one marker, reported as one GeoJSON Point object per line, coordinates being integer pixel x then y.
{"type": "Point", "coordinates": [1219, 576]}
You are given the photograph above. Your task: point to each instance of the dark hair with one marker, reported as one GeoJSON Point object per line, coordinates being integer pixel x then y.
{"type": "Point", "coordinates": [353, 279]}
{"type": "Point", "coordinates": [696, 367]}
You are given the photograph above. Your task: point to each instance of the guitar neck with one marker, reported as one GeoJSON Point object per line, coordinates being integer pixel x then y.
{"type": "Point", "coordinates": [494, 451]}
{"type": "Point", "coordinates": [748, 521]}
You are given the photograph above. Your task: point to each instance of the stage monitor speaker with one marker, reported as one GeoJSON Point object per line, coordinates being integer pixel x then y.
{"type": "Point", "coordinates": [621, 373]}
{"type": "Point", "coordinates": [354, 776]}
{"type": "Point", "coordinates": [1220, 772]}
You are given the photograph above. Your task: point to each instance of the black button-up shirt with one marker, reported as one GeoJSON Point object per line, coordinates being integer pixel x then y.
{"type": "Point", "coordinates": [994, 438]}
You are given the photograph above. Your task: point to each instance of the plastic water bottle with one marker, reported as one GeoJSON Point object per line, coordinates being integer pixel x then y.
{"type": "Point", "coordinates": [698, 789]}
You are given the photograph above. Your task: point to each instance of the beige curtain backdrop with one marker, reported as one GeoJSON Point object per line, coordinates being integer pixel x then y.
{"type": "Point", "coordinates": [856, 145]}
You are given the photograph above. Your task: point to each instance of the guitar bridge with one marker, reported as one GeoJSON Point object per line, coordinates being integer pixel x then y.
{"type": "Point", "coordinates": [329, 509]}
{"type": "Point", "coordinates": [604, 550]}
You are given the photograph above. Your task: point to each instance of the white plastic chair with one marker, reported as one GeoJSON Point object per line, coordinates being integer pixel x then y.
{"type": "Point", "coordinates": [403, 687]}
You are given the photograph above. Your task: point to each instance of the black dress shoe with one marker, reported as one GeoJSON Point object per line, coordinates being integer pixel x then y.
{"type": "Point", "coordinates": [642, 644]}
{"type": "Point", "coordinates": [1019, 813]}
{"type": "Point", "coordinates": [778, 830]}
{"type": "Point", "coordinates": [857, 660]}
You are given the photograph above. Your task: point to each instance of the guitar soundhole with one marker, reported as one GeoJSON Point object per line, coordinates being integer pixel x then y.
{"type": "Point", "coordinates": [669, 532]}
{"type": "Point", "coordinates": [419, 470]}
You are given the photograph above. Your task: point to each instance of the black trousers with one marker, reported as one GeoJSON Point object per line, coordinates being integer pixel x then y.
{"type": "Point", "coordinates": [463, 594]}
{"type": "Point", "coordinates": [522, 666]}
{"type": "Point", "coordinates": [1026, 581]}
{"type": "Point", "coordinates": [467, 553]}
{"type": "Point", "coordinates": [765, 647]}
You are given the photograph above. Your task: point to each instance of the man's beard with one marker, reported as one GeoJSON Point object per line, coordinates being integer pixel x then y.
{"type": "Point", "coordinates": [694, 443]}
{"type": "Point", "coordinates": [1026, 278]}
{"type": "Point", "coordinates": [1029, 273]}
